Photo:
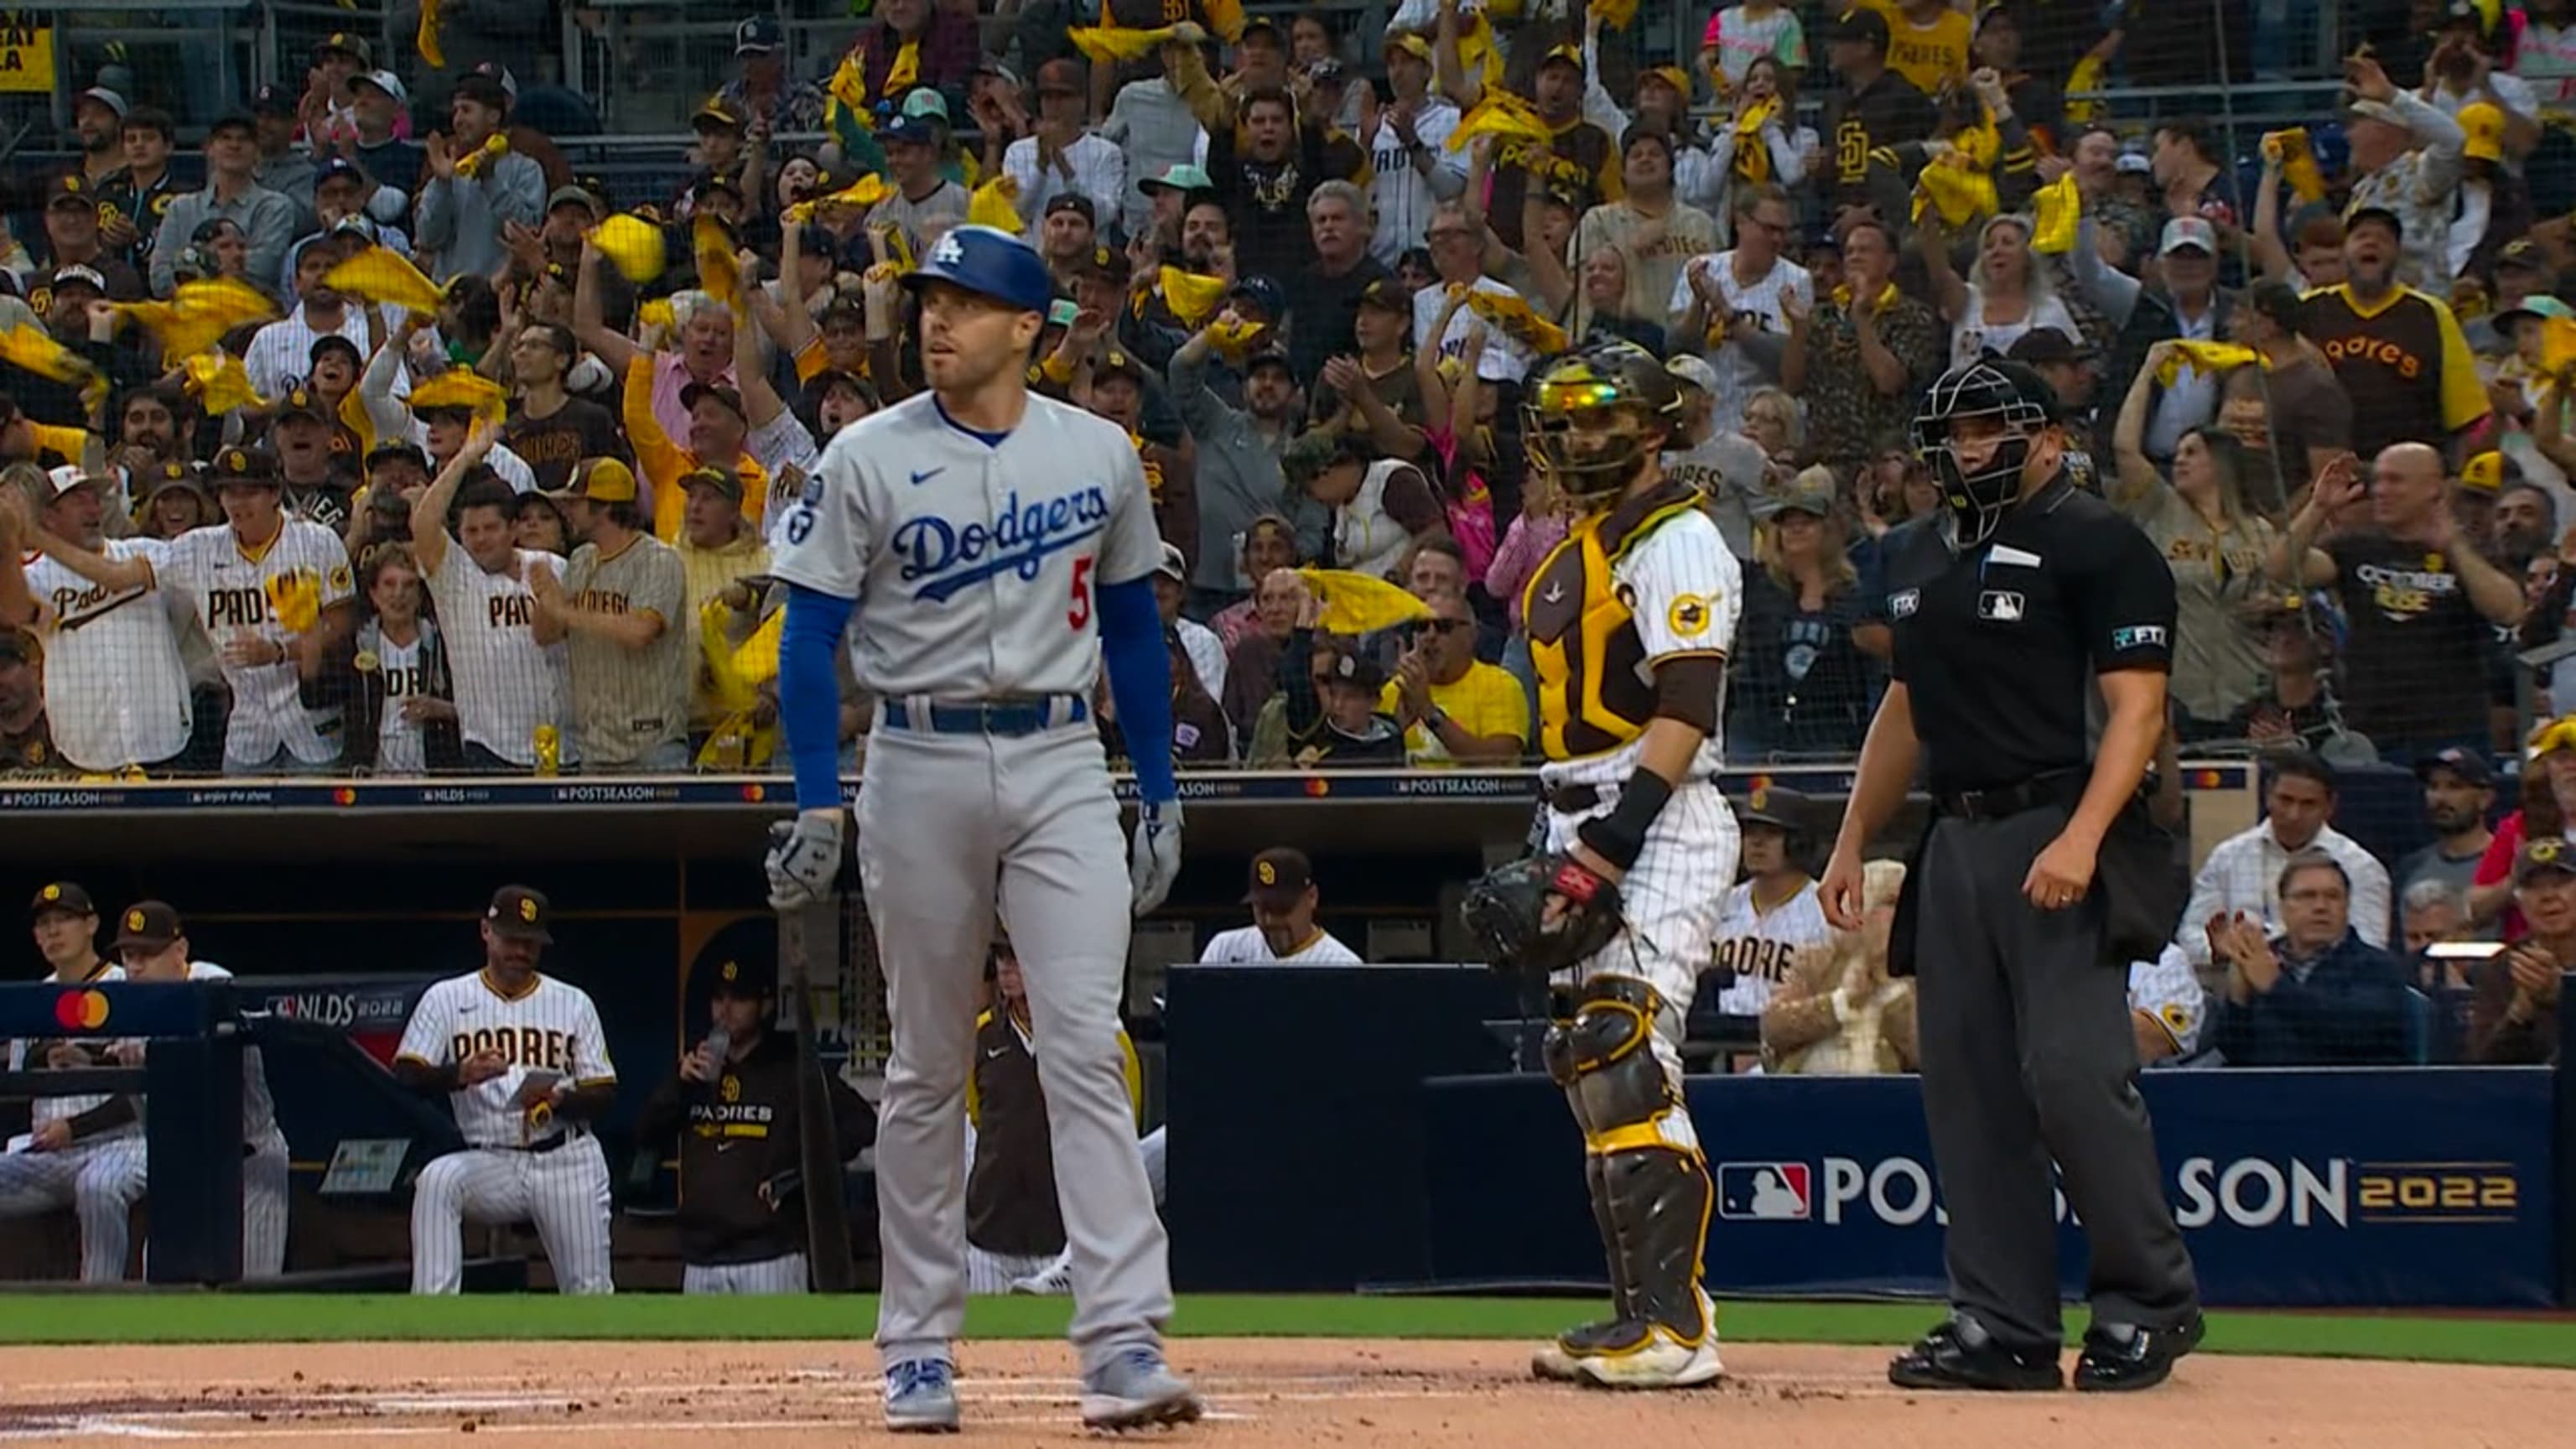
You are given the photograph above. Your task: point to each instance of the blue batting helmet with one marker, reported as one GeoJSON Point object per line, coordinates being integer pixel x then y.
{"type": "Point", "coordinates": [990, 263]}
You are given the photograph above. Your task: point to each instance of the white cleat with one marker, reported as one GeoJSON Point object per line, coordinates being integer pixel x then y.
{"type": "Point", "coordinates": [1052, 1281]}
{"type": "Point", "coordinates": [1664, 1362]}
{"type": "Point", "coordinates": [1552, 1363]}
{"type": "Point", "coordinates": [921, 1396]}
{"type": "Point", "coordinates": [1137, 1390]}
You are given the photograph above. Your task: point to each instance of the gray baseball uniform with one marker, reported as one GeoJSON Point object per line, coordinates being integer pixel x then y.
{"type": "Point", "coordinates": [975, 560]}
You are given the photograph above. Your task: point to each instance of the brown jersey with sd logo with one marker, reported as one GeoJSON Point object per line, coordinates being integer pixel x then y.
{"type": "Point", "coordinates": [737, 1133]}
{"type": "Point", "coordinates": [2417, 659]}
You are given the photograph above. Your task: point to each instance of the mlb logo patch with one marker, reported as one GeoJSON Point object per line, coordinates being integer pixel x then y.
{"type": "Point", "coordinates": [1763, 1192]}
{"type": "Point", "coordinates": [2004, 606]}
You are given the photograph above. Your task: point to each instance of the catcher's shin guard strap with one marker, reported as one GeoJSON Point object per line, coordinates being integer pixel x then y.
{"type": "Point", "coordinates": [1658, 1206]}
{"type": "Point", "coordinates": [1604, 1059]}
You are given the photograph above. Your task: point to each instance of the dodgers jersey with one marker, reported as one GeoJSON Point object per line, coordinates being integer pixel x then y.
{"type": "Point", "coordinates": [549, 1026]}
{"type": "Point", "coordinates": [237, 589]}
{"type": "Point", "coordinates": [1758, 944]}
{"type": "Point", "coordinates": [1245, 946]}
{"type": "Point", "coordinates": [974, 558]}
{"type": "Point", "coordinates": [116, 692]}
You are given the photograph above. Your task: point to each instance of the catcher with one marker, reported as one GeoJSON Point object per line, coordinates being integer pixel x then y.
{"type": "Point", "coordinates": [1629, 622]}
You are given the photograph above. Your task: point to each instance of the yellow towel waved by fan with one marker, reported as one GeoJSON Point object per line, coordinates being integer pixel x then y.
{"type": "Point", "coordinates": [1501, 115]}
{"type": "Point", "coordinates": [632, 245]}
{"type": "Point", "coordinates": [859, 195]}
{"type": "Point", "coordinates": [221, 383]}
{"type": "Point", "coordinates": [719, 275]}
{"type": "Point", "coordinates": [1360, 603]}
{"type": "Point", "coordinates": [2058, 210]}
{"type": "Point", "coordinates": [1615, 14]}
{"type": "Point", "coordinates": [380, 274]}
{"type": "Point", "coordinates": [1190, 295]}
{"type": "Point", "coordinates": [426, 38]}
{"type": "Point", "coordinates": [472, 163]}
{"type": "Point", "coordinates": [2211, 357]}
{"type": "Point", "coordinates": [847, 95]}
{"type": "Point", "coordinates": [1233, 340]}
{"type": "Point", "coordinates": [35, 350]}
{"type": "Point", "coordinates": [295, 599]}
{"type": "Point", "coordinates": [1953, 186]}
{"type": "Point", "coordinates": [1513, 315]}
{"type": "Point", "coordinates": [1108, 44]}
{"type": "Point", "coordinates": [462, 388]}
{"type": "Point", "coordinates": [996, 204]}
{"type": "Point", "coordinates": [2558, 350]}
{"type": "Point", "coordinates": [2298, 163]}
{"type": "Point", "coordinates": [197, 316]}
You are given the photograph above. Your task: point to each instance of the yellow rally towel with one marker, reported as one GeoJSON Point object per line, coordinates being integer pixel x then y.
{"type": "Point", "coordinates": [1234, 339]}
{"type": "Point", "coordinates": [2081, 82]}
{"type": "Point", "coordinates": [2206, 356]}
{"type": "Point", "coordinates": [380, 274]}
{"type": "Point", "coordinates": [197, 316]}
{"type": "Point", "coordinates": [295, 599]}
{"type": "Point", "coordinates": [906, 69]}
{"type": "Point", "coordinates": [1513, 315]}
{"type": "Point", "coordinates": [221, 383]}
{"type": "Point", "coordinates": [996, 204]}
{"type": "Point", "coordinates": [1615, 14]}
{"type": "Point", "coordinates": [1190, 295]}
{"type": "Point", "coordinates": [848, 93]}
{"type": "Point", "coordinates": [656, 313]}
{"type": "Point", "coordinates": [462, 388]}
{"type": "Point", "coordinates": [1106, 44]}
{"type": "Point", "coordinates": [473, 163]}
{"type": "Point", "coordinates": [1356, 603]}
{"type": "Point", "coordinates": [1752, 157]}
{"type": "Point", "coordinates": [859, 195]}
{"type": "Point", "coordinates": [1980, 143]}
{"type": "Point", "coordinates": [2059, 209]}
{"type": "Point", "coordinates": [719, 275]}
{"type": "Point", "coordinates": [1479, 55]}
{"type": "Point", "coordinates": [36, 351]}
{"type": "Point", "coordinates": [2558, 349]}
{"type": "Point", "coordinates": [2298, 163]}
{"type": "Point", "coordinates": [1953, 186]}
{"type": "Point", "coordinates": [427, 38]}
{"type": "Point", "coordinates": [632, 245]}
{"type": "Point", "coordinates": [1503, 116]}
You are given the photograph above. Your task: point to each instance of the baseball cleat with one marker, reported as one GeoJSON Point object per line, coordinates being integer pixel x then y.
{"type": "Point", "coordinates": [2122, 1357]}
{"type": "Point", "coordinates": [1661, 1362]}
{"type": "Point", "coordinates": [1053, 1280]}
{"type": "Point", "coordinates": [1553, 1363]}
{"type": "Point", "coordinates": [1137, 1390]}
{"type": "Point", "coordinates": [1947, 1359]}
{"type": "Point", "coordinates": [921, 1396]}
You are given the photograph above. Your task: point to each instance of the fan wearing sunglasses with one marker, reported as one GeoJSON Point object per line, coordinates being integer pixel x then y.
{"type": "Point", "coordinates": [1454, 708]}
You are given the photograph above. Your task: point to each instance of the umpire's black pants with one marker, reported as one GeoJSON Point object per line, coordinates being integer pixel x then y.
{"type": "Point", "coordinates": [2028, 1055]}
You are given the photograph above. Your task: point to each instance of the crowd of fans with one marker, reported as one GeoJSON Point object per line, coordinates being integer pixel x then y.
{"type": "Point", "coordinates": [2324, 368]}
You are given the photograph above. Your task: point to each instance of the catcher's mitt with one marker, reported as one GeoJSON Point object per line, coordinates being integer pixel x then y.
{"type": "Point", "coordinates": [1507, 911]}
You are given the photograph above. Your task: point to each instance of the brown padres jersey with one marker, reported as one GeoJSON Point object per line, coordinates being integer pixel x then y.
{"type": "Point", "coordinates": [737, 1133]}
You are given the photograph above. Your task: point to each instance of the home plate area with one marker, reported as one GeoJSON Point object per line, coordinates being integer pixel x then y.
{"type": "Point", "coordinates": [1262, 1394]}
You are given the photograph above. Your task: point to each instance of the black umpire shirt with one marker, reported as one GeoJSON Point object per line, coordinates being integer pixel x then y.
{"type": "Point", "coordinates": [1998, 645]}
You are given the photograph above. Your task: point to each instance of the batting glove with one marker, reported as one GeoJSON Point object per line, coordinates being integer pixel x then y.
{"type": "Point", "coordinates": [1154, 858]}
{"type": "Point", "coordinates": [804, 858]}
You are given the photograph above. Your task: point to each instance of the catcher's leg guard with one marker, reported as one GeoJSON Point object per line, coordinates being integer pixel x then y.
{"type": "Point", "coordinates": [1650, 1197]}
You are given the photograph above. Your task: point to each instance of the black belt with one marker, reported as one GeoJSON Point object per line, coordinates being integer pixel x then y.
{"type": "Point", "coordinates": [2061, 787]}
{"type": "Point", "coordinates": [538, 1149]}
{"type": "Point", "coordinates": [1573, 799]}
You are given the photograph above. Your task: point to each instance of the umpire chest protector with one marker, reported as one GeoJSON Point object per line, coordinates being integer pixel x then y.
{"type": "Point", "coordinates": [1594, 690]}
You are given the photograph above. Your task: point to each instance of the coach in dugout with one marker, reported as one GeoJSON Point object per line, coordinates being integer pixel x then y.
{"type": "Point", "coordinates": [733, 1106]}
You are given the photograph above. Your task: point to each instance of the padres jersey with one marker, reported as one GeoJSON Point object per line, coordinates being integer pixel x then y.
{"type": "Point", "coordinates": [506, 682]}
{"type": "Point", "coordinates": [401, 748]}
{"type": "Point", "coordinates": [974, 558]}
{"type": "Point", "coordinates": [1245, 946]}
{"type": "Point", "coordinates": [235, 588]}
{"type": "Point", "coordinates": [549, 1026]}
{"type": "Point", "coordinates": [1648, 581]}
{"type": "Point", "coordinates": [629, 702]}
{"type": "Point", "coordinates": [2167, 992]}
{"type": "Point", "coordinates": [259, 1109]}
{"type": "Point", "coordinates": [116, 693]}
{"type": "Point", "coordinates": [1758, 942]}
{"type": "Point", "coordinates": [21, 1059]}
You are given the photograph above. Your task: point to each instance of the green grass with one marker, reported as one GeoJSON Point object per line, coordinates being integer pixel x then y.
{"type": "Point", "coordinates": [262, 1318]}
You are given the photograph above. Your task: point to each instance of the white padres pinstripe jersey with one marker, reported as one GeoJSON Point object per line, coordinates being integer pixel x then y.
{"type": "Point", "coordinates": [116, 693]}
{"type": "Point", "coordinates": [975, 562]}
{"type": "Point", "coordinates": [1402, 197]}
{"type": "Point", "coordinates": [506, 682]}
{"type": "Point", "coordinates": [1245, 946]}
{"type": "Point", "coordinates": [48, 1109]}
{"type": "Point", "coordinates": [259, 1109]}
{"type": "Point", "coordinates": [549, 1026]}
{"type": "Point", "coordinates": [401, 748]}
{"type": "Point", "coordinates": [2170, 994]}
{"type": "Point", "coordinates": [1737, 374]}
{"type": "Point", "coordinates": [237, 589]}
{"type": "Point", "coordinates": [1758, 944]}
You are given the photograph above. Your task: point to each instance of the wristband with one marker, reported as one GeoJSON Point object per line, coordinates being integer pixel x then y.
{"type": "Point", "coordinates": [1619, 836]}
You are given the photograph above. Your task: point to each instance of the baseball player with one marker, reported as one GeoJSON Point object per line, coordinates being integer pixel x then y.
{"type": "Point", "coordinates": [153, 946]}
{"type": "Point", "coordinates": [733, 1107]}
{"type": "Point", "coordinates": [85, 1152]}
{"type": "Point", "coordinates": [524, 1065]}
{"type": "Point", "coordinates": [512, 685]}
{"type": "Point", "coordinates": [2168, 1008]}
{"type": "Point", "coordinates": [1772, 914]}
{"type": "Point", "coordinates": [1000, 548]}
{"type": "Point", "coordinates": [1283, 926]}
{"type": "Point", "coordinates": [1630, 620]}
{"type": "Point", "coordinates": [116, 693]}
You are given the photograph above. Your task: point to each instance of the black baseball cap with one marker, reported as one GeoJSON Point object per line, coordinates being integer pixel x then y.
{"type": "Point", "coordinates": [149, 924]}
{"type": "Point", "coordinates": [393, 448]}
{"type": "Point", "coordinates": [2396, 226]}
{"type": "Point", "coordinates": [1073, 201]}
{"type": "Point", "coordinates": [522, 912]}
{"type": "Point", "coordinates": [1862, 24]}
{"type": "Point", "coordinates": [746, 978]}
{"type": "Point", "coordinates": [64, 896]}
{"type": "Point", "coordinates": [2470, 765]}
{"type": "Point", "coordinates": [272, 100]}
{"type": "Point", "coordinates": [1279, 876]}
{"type": "Point", "coordinates": [2047, 344]}
{"type": "Point", "coordinates": [300, 402]}
{"type": "Point", "coordinates": [730, 397]}
{"type": "Point", "coordinates": [1770, 805]}
{"type": "Point", "coordinates": [1388, 295]}
{"type": "Point", "coordinates": [1264, 294]}
{"type": "Point", "coordinates": [245, 465]}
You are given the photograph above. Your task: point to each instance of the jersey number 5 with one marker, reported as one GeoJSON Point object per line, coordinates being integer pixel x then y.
{"type": "Point", "coordinates": [1080, 614]}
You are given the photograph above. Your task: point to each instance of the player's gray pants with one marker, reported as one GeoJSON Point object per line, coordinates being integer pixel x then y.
{"type": "Point", "coordinates": [769, 1275]}
{"type": "Point", "coordinates": [564, 1192]}
{"type": "Point", "coordinates": [946, 824]}
{"type": "Point", "coordinates": [98, 1180]}
{"type": "Point", "coordinates": [264, 1197]}
{"type": "Point", "coordinates": [2028, 1054]}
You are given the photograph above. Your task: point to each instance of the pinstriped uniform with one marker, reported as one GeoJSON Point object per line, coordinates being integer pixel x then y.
{"type": "Point", "coordinates": [1759, 942]}
{"type": "Point", "coordinates": [98, 1177]}
{"type": "Point", "coordinates": [506, 682]}
{"type": "Point", "coordinates": [784, 1274]}
{"type": "Point", "coordinates": [508, 1172]}
{"type": "Point", "coordinates": [116, 693]}
{"type": "Point", "coordinates": [264, 1165]}
{"type": "Point", "coordinates": [237, 589]}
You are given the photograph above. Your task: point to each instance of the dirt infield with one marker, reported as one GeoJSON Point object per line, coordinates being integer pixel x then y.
{"type": "Point", "coordinates": [1263, 1394]}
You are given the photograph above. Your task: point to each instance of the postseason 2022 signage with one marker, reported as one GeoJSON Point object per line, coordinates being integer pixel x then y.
{"type": "Point", "coordinates": [2426, 1187]}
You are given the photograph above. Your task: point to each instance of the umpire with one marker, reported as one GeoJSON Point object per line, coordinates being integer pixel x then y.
{"type": "Point", "coordinates": [2039, 877]}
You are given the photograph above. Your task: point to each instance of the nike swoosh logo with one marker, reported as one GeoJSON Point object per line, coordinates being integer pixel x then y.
{"type": "Point", "coordinates": [926, 475]}
{"type": "Point", "coordinates": [462, 1010]}
{"type": "Point", "coordinates": [996, 1054]}
{"type": "Point", "coordinates": [1555, 594]}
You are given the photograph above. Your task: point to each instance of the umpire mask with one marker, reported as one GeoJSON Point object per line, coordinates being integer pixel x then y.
{"type": "Point", "coordinates": [1980, 484]}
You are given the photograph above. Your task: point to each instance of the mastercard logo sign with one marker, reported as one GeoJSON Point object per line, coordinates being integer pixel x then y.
{"type": "Point", "coordinates": [81, 1010]}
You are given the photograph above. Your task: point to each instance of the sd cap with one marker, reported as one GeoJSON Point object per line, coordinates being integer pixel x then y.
{"type": "Point", "coordinates": [746, 978]}
{"type": "Point", "coordinates": [1280, 875]}
{"type": "Point", "coordinates": [149, 924]}
{"type": "Point", "coordinates": [520, 912]}
{"type": "Point", "coordinates": [64, 896]}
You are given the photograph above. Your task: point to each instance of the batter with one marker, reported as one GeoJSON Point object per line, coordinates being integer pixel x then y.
{"type": "Point", "coordinates": [999, 547]}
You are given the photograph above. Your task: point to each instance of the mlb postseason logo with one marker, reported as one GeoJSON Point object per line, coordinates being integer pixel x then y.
{"type": "Point", "coordinates": [1764, 1192]}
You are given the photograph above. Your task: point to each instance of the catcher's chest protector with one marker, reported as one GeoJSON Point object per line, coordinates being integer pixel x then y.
{"type": "Point", "coordinates": [1594, 693]}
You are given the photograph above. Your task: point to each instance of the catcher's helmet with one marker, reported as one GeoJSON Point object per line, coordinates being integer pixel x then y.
{"type": "Point", "coordinates": [1990, 387]}
{"type": "Point", "coordinates": [1603, 377]}
{"type": "Point", "coordinates": [990, 263]}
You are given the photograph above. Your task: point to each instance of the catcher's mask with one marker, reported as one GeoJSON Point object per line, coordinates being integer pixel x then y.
{"type": "Point", "coordinates": [1596, 415]}
{"type": "Point", "coordinates": [2006, 407]}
